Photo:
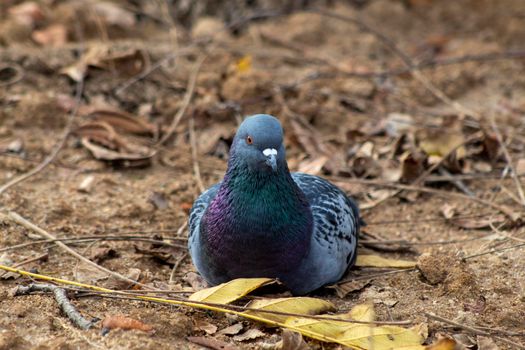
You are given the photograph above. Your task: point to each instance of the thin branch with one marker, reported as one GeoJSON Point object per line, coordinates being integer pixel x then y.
{"type": "Point", "coordinates": [471, 329]}
{"type": "Point", "coordinates": [61, 298]}
{"type": "Point", "coordinates": [185, 102]}
{"type": "Point", "coordinates": [194, 155]}
{"type": "Point", "coordinates": [492, 251]}
{"type": "Point", "coordinates": [176, 266]}
{"type": "Point", "coordinates": [508, 158]}
{"type": "Point", "coordinates": [29, 225]}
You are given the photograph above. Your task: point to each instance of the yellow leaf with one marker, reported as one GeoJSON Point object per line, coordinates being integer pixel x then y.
{"type": "Point", "coordinates": [244, 64]}
{"type": "Point", "coordinates": [443, 344]}
{"type": "Point", "coordinates": [360, 336]}
{"type": "Point", "coordinates": [230, 291]}
{"type": "Point", "coordinates": [444, 143]}
{"type": "Point", "coordinates": [382, 337]}
{"type": "Point", "coordinates": [378, 261]}
{"type": "Point", "coordinates": [363, 312]}
{"type": "Point", "coordinates": [299, 305]}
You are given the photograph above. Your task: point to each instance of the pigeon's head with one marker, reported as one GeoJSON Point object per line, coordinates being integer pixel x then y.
{"type": "Point", "coordinates": [258, 144]}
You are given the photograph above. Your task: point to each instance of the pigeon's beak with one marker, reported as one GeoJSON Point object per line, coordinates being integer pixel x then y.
{"type": "Point", "coordinates": [271, 158]}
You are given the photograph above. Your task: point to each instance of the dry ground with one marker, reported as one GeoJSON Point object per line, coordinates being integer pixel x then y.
{"type": "Point", "coordinates": [298, 67]}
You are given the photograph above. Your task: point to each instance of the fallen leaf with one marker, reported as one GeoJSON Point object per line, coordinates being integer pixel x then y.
{"type": "Point", "coordinates": [124, 63]}
{"type": "Point", "coordinates": [102, 254]}
{"type": "Point", "coordinates": [244, 64]}
{"type": "Point", "coordinates": [378, 261]}
{"type": "Point", "coordinates": [116, 283]}
{"type": "Point", "coordinates": [205, 326]}
{"type": "Point", "coordinates": [55, 35]}
{"type": "Point", "coordinates": [159, 200]}
{"type": "Point", "coordinates": [28, 13]}
{"type": "Point", "coordinates": [343, 289]}
{"type": "Point", "coordinates": [296, 305]}
{"type": "Point", "coordinates": [212, 343]}
{"type": "Point", "coordinates": [122, 121]}
{"type": "Point", "coordinates": [230, 291]}
{"type": "Point", "coordinates": [112, 14]}
{"type": "Point", "coordinates": [195, 281]}
{"type": "Point", "coordinates": [124, 322]}
{"type": "Point", "coordinates": [250, 334]}
{"type": "Point", "coordinates": [485, 343]}
{"type": "Point", "coordinates": [86, 184]}
{"type": "Point", "coordinates": [479, 222]}
{"type": "Point", "coordinates": [520, 167]}
{"type": "Point", "coordinates": [293, 341]}
{"type": "Point", "coordinates": [448, 210]}
{"type": "Point", "coordinates": [232, 330]}
{"type": "Point", "coordinates": [413, 165]}
{"type": "Point", "coordinates": [443, 344]}
{"type": "Point", "coordinates": [361, 336]}
{"type": "Point", "coordinates": [312, 166]}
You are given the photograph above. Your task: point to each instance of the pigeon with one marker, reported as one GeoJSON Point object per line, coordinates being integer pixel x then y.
{"type": "Point", "coordinates": [263, 221]}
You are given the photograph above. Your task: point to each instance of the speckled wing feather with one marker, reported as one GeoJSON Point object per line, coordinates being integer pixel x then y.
{"type": "Point", "coordinates": [336, 221]}
{"type": "Point", "coordinates": [198, 209]}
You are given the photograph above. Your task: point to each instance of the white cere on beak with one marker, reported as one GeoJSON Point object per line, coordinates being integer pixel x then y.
{"type": "Point", "coordinates": [269, 151]}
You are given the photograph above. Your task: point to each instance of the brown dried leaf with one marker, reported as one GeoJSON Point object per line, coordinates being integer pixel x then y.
{"type": "Point", "coordinates": [232, 330]}
{"type": "Point", "coordinates": [28, 13]}
{"type": "Point", "coordinates": [127, 63]}
{"type": "Point", "coordinates": [448, 210]}
{"type": "Point", "coordinates": [124, 322]}
{"type": "Point", "coordinates": [413, 164]}
{"type": "Point", "coordinates": [116, 283]}
{"type": "Point", "coordinates": [195, 281]}
{"type": "Point", "coordinates": [293, 341]}
{"type": "Point", "coordinates": [102, 153]}
{"type": "Point", "coordinates": [122, 121]}
{"type": "Point", "coordinates": [112, 14]}
{"type": "Point", "coordinates": [478, 223]}
{"type": "Point", "coordinates": [212, 343]}
{"type": "Point", "coordinates": [520, 167]}
{"type": "Point", "coordinates": [312, 166]}
{"type": "Point", "coordinates": [205, 326]}
{"type": "Point", "coordinates": [55, 35]}
{"type": "Point", "coordinates": [343, 289]}
{"type": "Point", "coordinates": [250, 334]}
{"type": "Point", "coordinates": [102, 254]}
{"type": "Point", "coordinates": [485, 343]}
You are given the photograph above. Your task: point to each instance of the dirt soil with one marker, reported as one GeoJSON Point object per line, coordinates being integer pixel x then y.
{"type": "Point", "coordinates": [368, 132]}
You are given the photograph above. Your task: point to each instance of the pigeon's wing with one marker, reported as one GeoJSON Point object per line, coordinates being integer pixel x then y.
{"type": "Point", "coordinates": [336, 227]}
{"type": "Point", "coordinates": [198, 209]}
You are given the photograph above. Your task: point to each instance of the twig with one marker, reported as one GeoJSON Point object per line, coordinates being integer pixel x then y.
{"type": "Point", "coordinates": [470, 329]}
{"type": "Point", "coordinates": [375, 275]}
{"type": "Point", "coordinates": [151, 69]}
{"type": "Point", "coordinates": [58, 147]}
{"type": "Point", "coordinates": [28, 261]}
{"type": "Point", "coordinates": [446, 194]}
{"type": "Point", "coordinates": [492, 251]}
{"type": "Point", "coordinates": [458, 183]}
{"type": "Point", "coordinates": [29, 225]}
{"type": "Point", "coordinates": [193, 142]}
{"type": "Point", "coordinates": [517, 182]}
{"type": "Point", "coordinates": [61, 298]}
{"type": "Point", "coordinates": [237, 310]}
{"type": "Point", "coordinates": [88, 239]}
{"type": "Point", "coordinates": [176, 266]}
{"type": "Point", "coordinates": [185, 102]}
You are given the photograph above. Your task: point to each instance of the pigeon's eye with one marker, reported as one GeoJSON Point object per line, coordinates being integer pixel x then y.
{"type": "Point", "coordinates": [249, 140]}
